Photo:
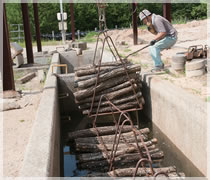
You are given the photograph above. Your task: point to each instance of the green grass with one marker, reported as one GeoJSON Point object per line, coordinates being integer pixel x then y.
{"type": "Point", "coordinates": [22, 120]}
{"type": "Point", "coordinates": [179, 21]}
{"type": "Point", "coordinates": [127, 50]}
{"type": "Point", "coordinates": [207, 99]}
{"type": "Point", "coordinates": [44, 43]}
{"type": "Point", "coordinates": [18, 74]}
{"type": "Point", "coordinates": [90, 37]}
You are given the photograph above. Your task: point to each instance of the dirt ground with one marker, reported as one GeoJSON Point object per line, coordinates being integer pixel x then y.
{"type": "Point", "coordinates": [18, 123]}
{"type": "Point", "coordinates": [192, 33]}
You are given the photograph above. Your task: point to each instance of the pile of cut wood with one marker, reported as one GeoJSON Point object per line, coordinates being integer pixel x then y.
{"type": "Point", "coordinates": [113, 82]}
{"type": "Point", "coordinates": [92, 156]}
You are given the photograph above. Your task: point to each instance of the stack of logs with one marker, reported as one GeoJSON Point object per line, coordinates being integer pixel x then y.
{"type": "Point", "coordinates": [92, 156]}
{"type": "Point", "coordinates": [121, 89]}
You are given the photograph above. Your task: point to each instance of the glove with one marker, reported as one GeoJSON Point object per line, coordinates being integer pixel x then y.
{"type": "Point", "coordinates": [153, 42]}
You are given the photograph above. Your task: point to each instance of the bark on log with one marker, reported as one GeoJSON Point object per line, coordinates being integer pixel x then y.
{"type": "Point", "coordinates": [84, 147]}
{"type": "Point", "coordinates": [89, 92]}
{"type": "Point", "coordinates": [125, 137]}
{"type": "Point", "coordinates": [107, 130]}
{"type": "Point", "coordinates": [106, 76]}
{"type": "Point", "coordinates": [102, 155]}
{"type": "Point", "coordinates": [107, 84]}
{"type": "Point", "coordinates": [126, 160]}
{"type": "Point", "coordinates": [128, 172]}
{"type": "Point", "coordinates": [122, 100]}
{"type": "Point", "coordinates": [129, 105]}
{"type": "Point", "coordinates": [115, 63]}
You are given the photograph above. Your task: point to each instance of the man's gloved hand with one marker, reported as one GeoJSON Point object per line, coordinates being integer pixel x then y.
{"type": "Point", "coordinates": [153, 42]}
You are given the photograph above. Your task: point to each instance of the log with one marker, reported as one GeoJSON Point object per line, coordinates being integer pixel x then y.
{"type": "Point", "coordinates": [86, 157]}
{"type": "Point", "coordinates": [94, 70]}
{"type": "Point", "coordinates": [104, 64]}
{"type": "Point", "coordinates": [122, 100]}
{"type": "Point", "coordinates": [125, 160]}
{"type": "Point", "coordinates": [84, 147]}
{"type": "Point", "coordinates": [107, 130]}
{"type": "Point", "coordinates": [125, 137]}
{"type": "Point", "coordinates": [106, 84]}
{"type": "Point", "coordinates": [128, 172]}
{"type": "Point", "coordinates": [89, 92]}
{"type": "Point", "coordinates": [108, 75]}
{"type": "Point", "coordinates": [128, 105]}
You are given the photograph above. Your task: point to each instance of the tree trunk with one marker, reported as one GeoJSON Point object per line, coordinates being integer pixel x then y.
{"type": "Point", "coordinates": [128, 105]}
{"type": "Point", "coordinates": [126, 160]}
{"type": "Point", "coordinates": [115, 63]}
{"type": "Point", "coordinates": [106, 76]}
{"type": "Point", "coordinates": [86, 147]}
{"type": "Point", "coordinates": [88, 92]}
{"type": "Point", "coordinates": [107, 130]}
{"type": "Point", "coordinates": [102, 155]}
{"type": "Point", "coordinates": [122, 100]}
{"type": "Point", "coordinates": [125, 137]}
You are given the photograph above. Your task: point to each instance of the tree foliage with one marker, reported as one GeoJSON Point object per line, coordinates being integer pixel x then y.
{"type": "Point", "coordinates": [86, 15]}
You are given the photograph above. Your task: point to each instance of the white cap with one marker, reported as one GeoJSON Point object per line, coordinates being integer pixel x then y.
{"type": "Point", "coordinates": [144, 13]}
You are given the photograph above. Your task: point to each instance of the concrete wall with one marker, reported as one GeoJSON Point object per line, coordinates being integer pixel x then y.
{"type": "Point", "coordinates": [73, 60]}
{"type": "Point", "coordinates": [181, 116]}
{"type": "Point", "coordinates": [42, 157]}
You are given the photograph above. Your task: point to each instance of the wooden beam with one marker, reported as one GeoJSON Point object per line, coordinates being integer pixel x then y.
{"type": "Point", "coordinates": [8, 77]}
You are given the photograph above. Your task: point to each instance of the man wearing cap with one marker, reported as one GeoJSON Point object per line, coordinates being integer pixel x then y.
{"type": "Point", "coordinates": [165, 36]}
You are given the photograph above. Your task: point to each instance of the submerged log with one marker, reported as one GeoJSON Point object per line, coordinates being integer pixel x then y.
{"type": "Point", "coordinates": [125, 160]}
{"type": "Point", "coordinates": [107, 130]}
{"type": "Point", "coordinates": [122, 100]}
{"type": "Point", "coordinates": [125, 137]}
{"type": "Point", "coordinates": [128, 172]}
{"type": "Point", "coordinates": [108, 75]}
{"type": "Point", "coordinates": [86, 157]}
{"type": "Point", "coordinates": [84, 147]}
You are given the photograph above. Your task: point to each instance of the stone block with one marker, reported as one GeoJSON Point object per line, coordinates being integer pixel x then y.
{"type": "Point", "coordinates": [81, 45]}
{"type": "Point", "coordinates": [19, 60]}
{"type": "Point", "coordinates": [16, 49]}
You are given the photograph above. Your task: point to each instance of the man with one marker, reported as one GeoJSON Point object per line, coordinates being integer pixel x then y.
{"type": "Point", "coordinates": [165, 36]}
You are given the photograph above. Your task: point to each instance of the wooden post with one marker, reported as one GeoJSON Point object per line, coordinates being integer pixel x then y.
{"type": "Point", "coordinates": [134, 19]}
{"type": "Point", "coordinates": [36, 20]}
{"type": "Point", "coordinates": [27, 33]}
{"type": "Point", "coordinates": [8, 77]}
{"type": "Point", "coordinates": [167, 11]}
{"type": "Point", "coordinates": [72, 20]}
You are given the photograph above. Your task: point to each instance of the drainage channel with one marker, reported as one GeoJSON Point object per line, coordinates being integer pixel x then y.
{"type": "Point", "coordinates": [172, 156]}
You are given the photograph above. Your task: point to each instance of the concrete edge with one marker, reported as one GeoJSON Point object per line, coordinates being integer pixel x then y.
{"type": "Point", "coordinates": [39, 157]}
{"type": "Point", "coordinates": [180, 115]}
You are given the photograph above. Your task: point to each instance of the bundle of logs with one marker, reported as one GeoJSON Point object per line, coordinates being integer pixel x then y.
{"type": "Point", "coordinates": [92, 156]}
{"type": "Point", "coordinates": [119, 82]}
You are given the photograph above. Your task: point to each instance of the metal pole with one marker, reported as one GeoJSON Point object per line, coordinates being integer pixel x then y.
{"type": "Point", "coordinates": [134, 19]}
{"type": "Point", "coordinates": [8, 77]}
{"type": "Point", "coordinates": [167, 11]}
{"type": "Point", "coordinates": [27, 33]}
{"type": "Point", "coordinates": [63, 32]}
{"type": "Point", "coordinates": [36, 20]}
{"type": "Point", "coordinates": [72, 20]}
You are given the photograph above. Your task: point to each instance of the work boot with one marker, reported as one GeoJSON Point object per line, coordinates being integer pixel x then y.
{"type": "Point", "coordinates": [158, 68]}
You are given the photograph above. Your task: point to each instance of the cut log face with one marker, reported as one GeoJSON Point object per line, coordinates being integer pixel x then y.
{"type": "Point", "coordinates": [107, 130]}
